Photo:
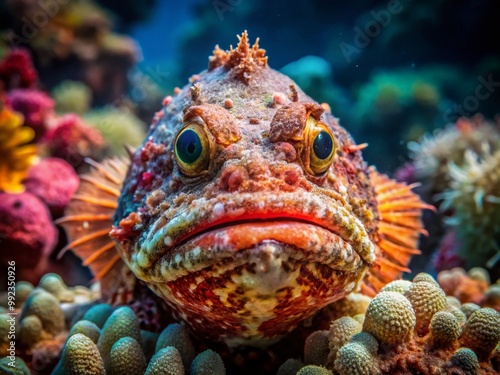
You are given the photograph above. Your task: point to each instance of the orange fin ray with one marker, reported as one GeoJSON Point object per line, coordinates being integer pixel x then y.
{"type": "Point", "coordinates": [400, 225]}
{"type": "Point", "coordinates": [100, 202]}
{"type": "Point", "coordinates": [103, 186]}
{"type": "Point", "coordinates": [87, 222]}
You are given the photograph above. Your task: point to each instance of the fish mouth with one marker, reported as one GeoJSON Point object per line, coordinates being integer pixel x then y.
{"type": "Point", "coordinates": [209, 231]}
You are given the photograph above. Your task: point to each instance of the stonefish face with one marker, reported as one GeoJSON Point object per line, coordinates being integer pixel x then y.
{"type": "Point", "coordinates": [247, 208]}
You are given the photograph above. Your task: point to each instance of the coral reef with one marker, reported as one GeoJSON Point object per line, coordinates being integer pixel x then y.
{"type": "Point", "coordinates": [403, 334]}
{"type": "Point", "coordinates": [42, 319]}
{"type": "Point", "coordinates": [17, 155]}
{"type": "Point", "coordinates": [76, 42]}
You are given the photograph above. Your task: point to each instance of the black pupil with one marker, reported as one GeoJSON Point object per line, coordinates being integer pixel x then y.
{"type": "Point", "coordinates": [323, 145]}
{"type": "Point", "coordinates": [188, 146]}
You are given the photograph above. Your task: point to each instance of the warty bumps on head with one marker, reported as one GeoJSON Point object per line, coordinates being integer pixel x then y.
{"type": "Point", "coordinates": [247, 208]}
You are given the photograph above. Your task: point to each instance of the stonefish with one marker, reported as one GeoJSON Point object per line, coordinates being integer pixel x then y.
{"type": "Point", "coordinates": [247, 208]}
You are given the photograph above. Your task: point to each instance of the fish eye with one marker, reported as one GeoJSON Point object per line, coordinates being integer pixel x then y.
{"type": "Point", "coordinates": [192, 150]}
{"type": "Point", "coordinates": [323, 145]}
{"type": "Point", "coordinates": [319, 147]}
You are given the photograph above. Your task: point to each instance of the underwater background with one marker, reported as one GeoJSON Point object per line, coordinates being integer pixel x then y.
{"type": "Point", "coordinates": [418, 81]}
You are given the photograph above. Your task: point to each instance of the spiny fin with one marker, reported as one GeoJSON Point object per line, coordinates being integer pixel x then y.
{"type": "Point", "coordinates": [399, 228]}
{"type": "Point", "coordinates": [87, 222]}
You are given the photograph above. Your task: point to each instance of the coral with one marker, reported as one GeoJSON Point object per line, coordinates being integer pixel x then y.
{"type": "Point", "coordinates": [469, 308]}
{"type": "Point", "coordinates": [16, 70]}
{"type": "Point", "coordinates": [390, 318]}
{"type": "Point", "coordinates": [46, 307]}
{"type": "Point", "coordinates": [177, 336]}
{"type": "Point", "coordinates": [425, 353]}
{"type": "Point", "coordinates": [126, 356]}
{"type": "Point", "coordinates": [368, 341]}
{"type": "Point", "coordinates": [339, 333]}
{"type": "Point", "coordinates": [98, 314]}
{"type": "Point", "coordinates": [474, 195]}
{"type": "Point", "coordinates": [121, 323]}
{"type": "Point", "coordinates": [207, 363]}
{"type": "Point", "coordinates": [290, 367]}
{"type": "Point", "coordinates": [353, 304]}
{"type": "Point", "coordinates": [316, 348]}
{"type": "Point", "coordinates": [55, 285]}
{"type": "Point", "coordinates": [457, 313]}
{"type": "Point", "coordinates": [31, 330]}
{"type": "Point", "coordinates": [36, 107]}
{"type": "Point", "coordinates": [434, 155]}
{"type": "Point", "coordinates": [492, 297]}
{"type": "Point", "coordinates": [23, 290]}
{"type": "Point", "coordinates": [355, 359]}
{"type": "Point", "coordinates": [17, 155]}
{"type": "Point", "coordinates": [466, 360]}
{"type": "Point", "coordinates": [119, 127]}
{"type": "Point", "coordinates": [422, 276]}
{"type": "Point", "coordinates": [72, 97]}
{"type": "Point", "coordinates": [313, 370]}
{"type": "Point", "coordinates": [426, 299]}
{"type": "Point", "coordinates": [81, 357]}
{"type": "Point", "coordinates": [481, 333]}
{"type": "Point", "coordinates": [444, 328]}
{"type": "Point", "coordinates": [87, 328]}
{"type": "Point", "coordinates": [71, 139]}
{"type": "Point", "coordinates": [399, 286]}
{"type": "Point", "coordinates": [459, 284]}
{"type": "Point", "coordinates": [166, 361]}
{"type": "Point", "coordinates": [4, 331]}
{"type": "Point", "coordinates": [19, 368]}
{"type": "Point", "coordinates": [54, 181]}
{"type": "Point", "coordinates": [28, 233]}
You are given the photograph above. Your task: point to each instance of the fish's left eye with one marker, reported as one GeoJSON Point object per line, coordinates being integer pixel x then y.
{"type": "Point", "coordinates": [319, 147]}
{"type": "Point", "coordinates": [192, 150]}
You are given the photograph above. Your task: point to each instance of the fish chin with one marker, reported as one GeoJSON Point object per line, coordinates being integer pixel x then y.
{"type": "Point", "coordinates": [251, 283]}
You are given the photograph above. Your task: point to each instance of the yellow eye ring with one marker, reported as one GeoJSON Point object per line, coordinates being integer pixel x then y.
{"type": "Point", "coordinates": [319, 147]}
{"type": "Point", "coordinates": [192, 150]}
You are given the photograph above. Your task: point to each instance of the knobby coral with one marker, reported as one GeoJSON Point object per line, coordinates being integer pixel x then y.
{"type": "Point", "coordinates": [413, 330]}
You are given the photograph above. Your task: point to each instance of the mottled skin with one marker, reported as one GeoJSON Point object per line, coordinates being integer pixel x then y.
{"type": "Point", "coordinates": [255, 241]}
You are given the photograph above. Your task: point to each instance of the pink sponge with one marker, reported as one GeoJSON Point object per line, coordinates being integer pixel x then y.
{"type": "Point", "coordinates": [27, 234]}
{"type": "Point", "coordinates": [54, 181]}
